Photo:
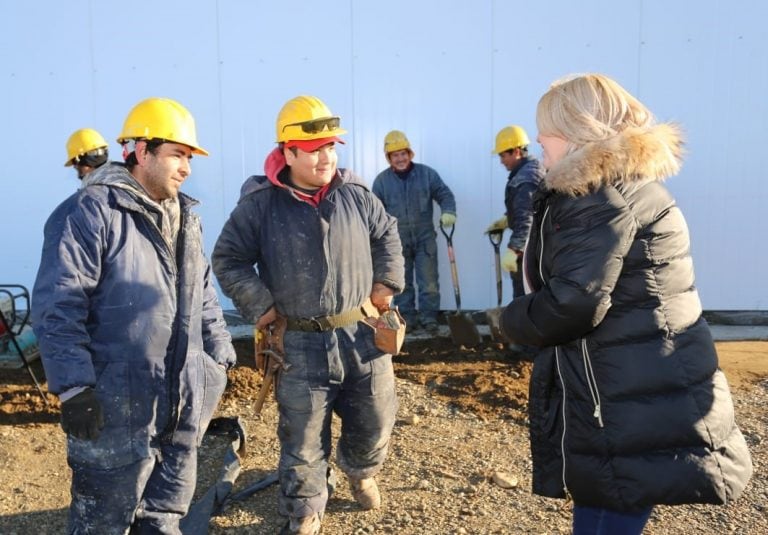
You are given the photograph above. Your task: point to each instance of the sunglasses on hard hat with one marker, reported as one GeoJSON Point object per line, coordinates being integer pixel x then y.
{"type": "Point", "coordinates": [77, 160]}
{"type": "Point", "coordinates": [315, 126]}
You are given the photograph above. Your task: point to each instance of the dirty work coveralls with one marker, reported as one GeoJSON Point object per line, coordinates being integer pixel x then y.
{"type": "Point", "coordinates": [317, 257]}
{"type": "Point", "coordinates": [117, 308]}
{"type": "Point", "coordinates": [410, 199]}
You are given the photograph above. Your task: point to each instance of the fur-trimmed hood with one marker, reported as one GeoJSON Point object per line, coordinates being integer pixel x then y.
{"type": "Point", "coordinates": [636, 153]}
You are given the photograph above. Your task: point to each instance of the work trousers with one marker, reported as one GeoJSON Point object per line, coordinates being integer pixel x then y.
{"type": "Point", "coordinates": [338, 371]}
{"type": "Point", "coordinates": [146, 497]}
{"type": "Point", "coordinates": [420, 264]}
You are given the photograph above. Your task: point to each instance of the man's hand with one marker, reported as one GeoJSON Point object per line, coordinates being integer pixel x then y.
{"type": "Point", "coordinates": [268, 317]}
{"type": "Point", "coordinates": [81, 416]}
{"type": "Point", "coordinates": [509, 260]}
{"type": "Point", "coordinates": [381, 296]}
{"type": "Point", "coordinates": [448, 219]}
{"type": "Point", "coordinates": [500, 225]}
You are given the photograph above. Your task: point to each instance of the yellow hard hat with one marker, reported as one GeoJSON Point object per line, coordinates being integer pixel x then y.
{"type": "Point", "coordinates": [510, 137]}
{"type": "Point", "coordinates": [161, 118]}
{"type": "Point", "coordinates": [83, 141]}
{"type": "Point", "coordinates": [305, 118]}
{"type": "Point", "coordinates": [395, 141]}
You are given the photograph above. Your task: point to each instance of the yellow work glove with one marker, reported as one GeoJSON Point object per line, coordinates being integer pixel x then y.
{"type": "Point", "coordinates": [447, 219]}
{"type": "Point", "coordinates": [499, 225]}
{"type": "Point", "coordinates": [509, 260]}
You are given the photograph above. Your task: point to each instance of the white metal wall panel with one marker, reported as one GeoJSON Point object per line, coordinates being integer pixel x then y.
{"type": "Point", "coordinates": [449, 73]}
{"type": "Point", "coordinates": [532, 51]}
{"type": "Point", "coordinates": [425, 70]}
{"type": "Point", "coordinates": [706, 66]}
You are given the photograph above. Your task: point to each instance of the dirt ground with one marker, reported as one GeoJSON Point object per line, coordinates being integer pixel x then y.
{"type": "Point", "coordinates": [458, 405]}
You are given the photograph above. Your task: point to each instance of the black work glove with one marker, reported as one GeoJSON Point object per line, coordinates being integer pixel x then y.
{"type": "Point", "coordinates": [81, 416]}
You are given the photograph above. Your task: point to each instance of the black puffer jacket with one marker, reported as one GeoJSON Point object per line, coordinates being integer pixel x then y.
{"type": "Point", "coordinates": [627, 405]}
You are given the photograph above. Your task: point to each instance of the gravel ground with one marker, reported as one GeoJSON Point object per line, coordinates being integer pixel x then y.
{"type": "Point", "coordinates": [459, 461]}
{"type": "Point", "coordinates": [440, 480]}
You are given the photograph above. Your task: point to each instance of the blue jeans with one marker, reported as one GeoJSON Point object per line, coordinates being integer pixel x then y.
{"type": "Point", "coordinates": [599, 521]}
{"type": "Point", "coordinates": [421, 262]}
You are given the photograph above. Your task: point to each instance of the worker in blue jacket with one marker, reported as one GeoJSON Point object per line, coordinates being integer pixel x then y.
{"type": "Point", "coordinates": [525, 175]}
{"type": "Point", "coordinates": [310, 247]}
{"type": "Point", "coordinates": [408, 190]}
{"type": "Point", "coordinates": [131, 333]}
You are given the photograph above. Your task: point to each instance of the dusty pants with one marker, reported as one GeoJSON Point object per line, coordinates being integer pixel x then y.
{"type": "Point", "coordinates": [150, 496]}
{"type": "Point", "coordinates": [339, 371]}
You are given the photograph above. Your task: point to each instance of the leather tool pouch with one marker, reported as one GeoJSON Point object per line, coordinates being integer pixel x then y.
{"type": "Point", "coordinates": [390, 331]}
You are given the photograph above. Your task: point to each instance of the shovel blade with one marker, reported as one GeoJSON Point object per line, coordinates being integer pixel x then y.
{"type": "Point", "coordinates": [493, 316]}
{"type": "Point", "coordinates": [463, 330]}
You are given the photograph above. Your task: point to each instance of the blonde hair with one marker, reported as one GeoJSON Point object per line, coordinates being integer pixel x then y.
{"type": "Point", "coordinates": [590, 107]}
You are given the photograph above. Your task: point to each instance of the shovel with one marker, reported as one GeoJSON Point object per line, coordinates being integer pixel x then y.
{"type": "Point", "coordinates": [463, 330]}
{"type": "Point", "coordinates": [493, 315]}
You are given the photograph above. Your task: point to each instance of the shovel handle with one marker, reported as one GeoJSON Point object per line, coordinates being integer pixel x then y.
{"type": "Point", "coordinates": [454, 278]}
{"type": "Point", "coordinates": [498, 280]}
{"type": "Point", "coordinates": [495, 236]}
{"type": "Point", "coordinates": [452, 259]}
{"type": "Point", "coordinates": [448, 236]}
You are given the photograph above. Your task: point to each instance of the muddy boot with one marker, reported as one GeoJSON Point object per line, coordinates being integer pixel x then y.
{"type": "Point", "coordinates": [366, 493]}
{"type": "Point", "coordinates": [306, 525]}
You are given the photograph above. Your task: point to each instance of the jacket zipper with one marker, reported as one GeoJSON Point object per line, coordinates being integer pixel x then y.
{"type": "Point", "coordinates": [541, 244]}
{"type": "Point", "coordinates": [562, 438]}
{"type": "Point", "coordinates": [591, 383]}
{"type": "Point", "coordinates": [557, 359]}
{"type": "Point", "coordinates": [173, 423]}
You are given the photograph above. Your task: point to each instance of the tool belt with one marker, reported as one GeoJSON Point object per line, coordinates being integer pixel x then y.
{"type": "Point", "coordinates": [320, 324]}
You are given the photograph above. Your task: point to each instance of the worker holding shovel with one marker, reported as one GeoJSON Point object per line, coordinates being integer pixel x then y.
{"type": "Point", "coordinates": [525, 174]}
{"type": "Point", "coordinates": [408, 190]}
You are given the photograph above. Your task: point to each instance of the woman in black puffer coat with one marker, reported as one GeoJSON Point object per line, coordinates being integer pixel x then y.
{"type": "Point", "coordinates": [628, 408]}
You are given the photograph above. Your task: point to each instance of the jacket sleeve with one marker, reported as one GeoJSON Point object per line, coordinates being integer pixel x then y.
{"type": "Point", "coordinates": [236, 252]}
{"type": "Point", "coordinates": [386, 249]}
{"type": "Point", "coordinates": [217, 341]}
{"type": "Point", "coordinates": [70, 268]}
{"type": "Point", "coordinates": [518, 201]}
{"type": "Point", "coordinates": [585, 248]}
{"type": "Point", "coordinates": [441, 193]}
{"type": "Point", "coordinates": [519, 214]}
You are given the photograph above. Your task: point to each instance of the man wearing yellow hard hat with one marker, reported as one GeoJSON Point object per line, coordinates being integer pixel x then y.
{"type": "Point", "coordinates": [525, 174]}
{"type": "Point", "coordinates": [86, 150]}
{"type": "Point", "coordinates": [131, 333]}
{"type": "Point", "coordinates": [306, 251]}
{"type": "Point", "coordinates": [408, 190]}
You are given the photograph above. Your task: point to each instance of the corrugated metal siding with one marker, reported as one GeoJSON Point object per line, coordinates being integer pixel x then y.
{"type": "Point", "coordinates": [448, 73]}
